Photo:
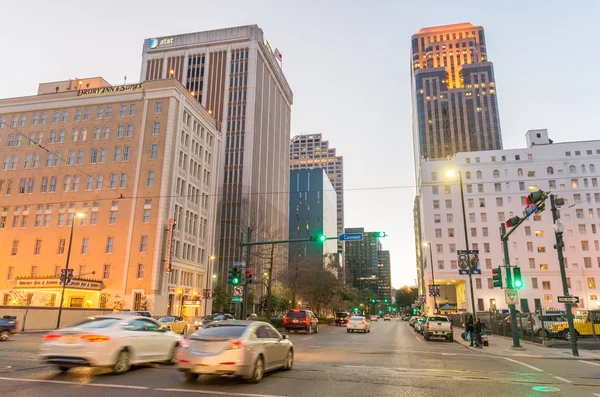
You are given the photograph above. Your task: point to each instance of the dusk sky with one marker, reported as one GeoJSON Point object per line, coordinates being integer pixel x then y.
{"type": "Point", "coordinates": [349, 67]}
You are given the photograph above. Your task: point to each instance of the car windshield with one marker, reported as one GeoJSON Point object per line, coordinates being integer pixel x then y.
{"type": "Point", "coordinates": [293, 314]}
{"type": "Point", "coordinates": [95, 322]}
{"type": "Point", "coordinates": [166, 319]}
{"type": "Point", "coordinates": [357, 318]}
{"type": "Point", "coordinates": [343, 315]}
{"type": "Point", "coordinates": [556, 317]}
{"type": "Point", "coordinates": [222, 331]}
{"type": "Point", "coordinates": [437, 318]}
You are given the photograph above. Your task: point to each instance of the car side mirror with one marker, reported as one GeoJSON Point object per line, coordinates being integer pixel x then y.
{"type": "Point", "coordinates": [284, 337]}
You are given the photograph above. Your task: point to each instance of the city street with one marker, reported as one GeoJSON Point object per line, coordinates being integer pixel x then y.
{"type": "Point", "coordinates": [390, 361]}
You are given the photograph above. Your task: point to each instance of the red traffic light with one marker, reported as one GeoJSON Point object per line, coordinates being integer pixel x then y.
{"type": "Point", "coordinates": [496, 271]}
{"type": "Point", "coordinates": [250, 271]}
{"type": "Point", "coordinates": [512, 221]}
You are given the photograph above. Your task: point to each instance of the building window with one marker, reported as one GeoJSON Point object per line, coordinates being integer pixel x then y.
{"type": "Point", "coordinates": [478, 283]}
{"type": "Point", "coordinates": [146, 218]}
{"type": "Point", "coordinates": [143, 244]}
{"type": "Point", "coordinates": [150, 181]}
{"type": "Point", "coordinates": [438, 233]}
{"type": "Point", "coordinates": [543, 266]}
{"type": "Point", "coordinates": [129, 132]}
{"type": "Point", "coordinates": [451, 233]}
{"type": "Point", "coordinates": [15, 248]}
{"type": "Point", "coordinates": [534, 283]}
{"type": "Point", "coordinates": [140, 270]}
{"type": "Point", "coordinates": [106, 271]}
{"type": "Point", "coordinates": [437, 218]}
{"type": "Point", "coordinates": [38, 247]}
{"type": "Point", "coordinates": [123, 180]}
{"type": "Point", "coordinates": [439, 248]}
{"type": "Point", "coordinates": [132, 109]}
{"type": "Point", "coordinates": [158, 107]}
{"type": "Point", "coordinates": [441, 265]}
{"type": "Point", "coordinates": [109, 245]}
{"type": "Point", "coordinates": [113, 217]}
{"type": "Point", "coordinates": [122, 110]}
{"type": "Point", "coordinates": [591, 282]}
{"type": "Point", "coordinates": [436, 203]}
{"type": "Point", "coordinates": [156, 128]}
{"type": "Point", "coordinates": [126, 152]}
{"type": "Point", "coordinates": [499, 202]}
{"type": "Point", "coordinates": [541, 249]}
{"type": "Point", "coordinates": [488, 263]}
{"type": "Point", "coordinates": [449, 218]}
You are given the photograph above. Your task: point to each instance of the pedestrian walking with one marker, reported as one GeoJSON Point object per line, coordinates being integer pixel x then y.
{"type": "Point", "coordinates": [469, 327]}
{"type": "Point", "coordinates": [478, 328]}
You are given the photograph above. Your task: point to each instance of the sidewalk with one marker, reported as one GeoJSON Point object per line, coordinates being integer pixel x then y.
{"type": "Point", "coordinates": [501, 346]}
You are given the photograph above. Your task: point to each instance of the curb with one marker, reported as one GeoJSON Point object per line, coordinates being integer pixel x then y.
{"type": "Point", "coordinates": [497, 354]}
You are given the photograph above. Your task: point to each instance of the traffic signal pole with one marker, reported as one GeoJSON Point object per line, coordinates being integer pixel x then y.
{"type": "Point", "coordinates": [513, 311]}
{"type": "Point", "coordinates": [558, 233]}
{"type": "Point", "coordinates": [464, 213]}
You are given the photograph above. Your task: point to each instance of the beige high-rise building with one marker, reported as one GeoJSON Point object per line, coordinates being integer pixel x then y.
{"type": "Point", "coordinates": [131, 171]}
{"type": "Point", "coordinates": [234, 74]}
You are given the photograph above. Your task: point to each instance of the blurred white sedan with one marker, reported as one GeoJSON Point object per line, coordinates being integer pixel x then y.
{"type": "Point", "coordinates": [235, 348]}
{"type": "Point", "coordinates": [358, 323]}
{"type": "Point", "coordinates": [117, 341]}
{"type": "Point", "coordinates": [373, 318]}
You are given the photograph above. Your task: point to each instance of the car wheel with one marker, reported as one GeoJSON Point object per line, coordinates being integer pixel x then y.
{"type": "Point", "coordinates": [190, 376]}
{"type": "Point", "coordinates": [289, 360]}
{"type": "Point", "coordinates": [450, 338]}
{"type": "Point", "coordinates": [172, 356]}
{"type": "Point", "coordinates": [4, 335]}
{"type": "Point", "coordinates": [64, 368]}
{"type": "Point", "coordinates": [317, 330]}
{"type": "Point", "coordinates": [369, 330]}
{"type": "Point", "coordinates": [348, 331]}
{"type": "Point", "coordinates": [309, 330]}
{"type": "Point", "coordinates": [258, 371]}
{"type": "Point", "coordinates": [123, 363]}
{"type": "Point", "coordinates": [426, 337]}
{"type": "Point", "coordinates": [185, 330]}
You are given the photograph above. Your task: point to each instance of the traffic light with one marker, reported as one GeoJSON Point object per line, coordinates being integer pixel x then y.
{"type": "Point", "coordinates": [385, 300]}
{"type": "Point", "coordinates": [249, 276]}
{"type": "Point", "coordinates": [497, 277]}
{"type": "Point", "coordinates": [319, 237]}
{"type": "Point", "coordinates": [229, 276]}
{"type": "Point", "coordinates": [512, 222]}
{"type": "Point", "coordinates": [236, 275]}
{"type": "Point", "coordinates": [517, 280]}
{"type": "Point", "coordinates": [373, 300]}
{"type": "Point", "coordinates": [379, 234]}
{"type": "Point", "coordinates": [414, 310]}
{"type": "Point", "coordinates": [356, 309]}
{"type": "Point", "coordinates": [534, 197]}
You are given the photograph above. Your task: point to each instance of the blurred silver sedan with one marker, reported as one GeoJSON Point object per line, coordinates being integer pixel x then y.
{"type": "Point", "coordinates": [235, 348]}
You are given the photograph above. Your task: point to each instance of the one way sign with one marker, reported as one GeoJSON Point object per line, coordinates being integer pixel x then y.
{"type": "Point", "coordinates": [568, 299]}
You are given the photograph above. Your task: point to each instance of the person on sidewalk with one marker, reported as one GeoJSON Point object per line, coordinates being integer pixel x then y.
{"type": "Point", "coordinates": [469, 327]}
{"type": "Point", "coordinates": [478, 328]}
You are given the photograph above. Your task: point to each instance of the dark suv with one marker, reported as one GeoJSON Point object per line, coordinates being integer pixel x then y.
{"type": "Point", "coordinates": [301, 320]}
{"type": "Point", "coordinates": [342, 318]}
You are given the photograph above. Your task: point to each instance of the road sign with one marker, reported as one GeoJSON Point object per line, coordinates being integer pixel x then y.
{"type": "Point", "coordinates": [530, 209]}
{"type": "Point", "coordinates": [512, 296]}
{"type": "Point", "coordinates": [238, 291]}
{"type": "Point", "coordinates": [66, 276]}
{"type": "Point", "coordinates": [468, 260]}
{"type": "Point", "coordinates": [568, 299]}
{"type": "Point", "coordinates": [237, 299]}
{"type": "Point", "coordinates": [434, 290]}
{"type": "Point", "coordinates": [351, 237]}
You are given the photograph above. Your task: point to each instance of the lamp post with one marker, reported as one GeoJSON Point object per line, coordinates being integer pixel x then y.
{"type": "Point", "coordinates": [64, 282]}
{"type": "Point", "coordinates": [432, 276]}
{"type": "Point", "coordinates": [462, 202]}
{"type": "Point", "coordinates": [208, 272]}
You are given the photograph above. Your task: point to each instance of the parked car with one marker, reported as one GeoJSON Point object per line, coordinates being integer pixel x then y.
{"type": "Point", "coordinates": [341, 318]}
{"type": "Point", "coordinates": [437, 326]}
{"type": "Point", "coordinates": [176, 324]}
{"type": "Point", "coordinates": [8, 327]}
{"type": "Point", "coordinates": [582, 322]}
{"type": "Point", "coordinates": [235, 348]}
{"type": "Point", "coordinates": [412, 320]}
{"type": "Point", "coordinates": [142, 313]}
{"type": "Point", "coordinates": [358, 323]}
{"type": "Point", "coordinates": [117, 341]}
{"type": "Point", "coordinates": [301, 320]}
{"type": "Point", "coordinates": [204, 320]}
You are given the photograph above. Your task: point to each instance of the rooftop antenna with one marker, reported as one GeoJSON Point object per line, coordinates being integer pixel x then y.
{"type": "Point", "coordinates": [125, 80]}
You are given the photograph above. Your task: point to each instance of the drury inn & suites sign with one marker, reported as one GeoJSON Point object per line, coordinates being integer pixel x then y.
{"type": "Point", "coordinates": [55, 283]}
{"type": "Point", "coordinates": [107, 90]}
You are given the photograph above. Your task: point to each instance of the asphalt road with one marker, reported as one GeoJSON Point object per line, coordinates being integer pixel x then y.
{"type": "Point", "coordinates": [390, 361]}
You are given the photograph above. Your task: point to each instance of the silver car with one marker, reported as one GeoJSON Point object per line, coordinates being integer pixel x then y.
{"type": "Point", "coordinates": [235, 348]}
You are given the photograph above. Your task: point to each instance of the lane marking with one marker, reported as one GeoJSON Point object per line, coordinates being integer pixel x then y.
{"type": "Point", "coordinates": [524, 364]}
{"type": "Point", "coordinates": [590, 363]}
{"type": "Point", "coordinates": [64, 382]}
{"type": "Point", "coordinates": [332, 332]}
{"type": "Point", "coordinates": [597, 394]}
{"type": "Point", "coordinates": [310, 337]}
{"type": "Point", "coordinates": [221, 393]}
{"type": "Point", "coordinates": [563, 379]}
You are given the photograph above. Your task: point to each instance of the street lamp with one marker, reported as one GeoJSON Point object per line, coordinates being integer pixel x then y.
{"type": "Point", "coordinates": [208, 271]}
{"type": "Point", "coordinates": [425, 244]}
{"type": "Point", "coordinates": [452, 173]}
{"type": "Point", "coordinates": [64, 282]}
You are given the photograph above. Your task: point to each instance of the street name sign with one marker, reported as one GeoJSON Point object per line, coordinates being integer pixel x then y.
{"type": "Point", "coordinates": [512, 296]}
{"type": "Point", "coordinates": [530, 209]}
{"type": "Point", "coordinates": [568, 299]}
{"type": "Point", "coordinates": [351, 237]}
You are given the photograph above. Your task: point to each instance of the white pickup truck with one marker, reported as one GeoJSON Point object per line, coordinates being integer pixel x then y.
{"type": "Point", "coordinates": [438, 326]}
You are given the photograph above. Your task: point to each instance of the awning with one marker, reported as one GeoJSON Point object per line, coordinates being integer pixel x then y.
{"type": "Point", "coordinates": [447, 307]}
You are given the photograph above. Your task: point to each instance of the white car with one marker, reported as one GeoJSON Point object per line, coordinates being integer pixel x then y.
{"type": "Point", "coordinates": [117, 341]}
{"type": "Point", "coordinates": [358, 323]}
{"type": "Point", "coordinates": [373, 318]}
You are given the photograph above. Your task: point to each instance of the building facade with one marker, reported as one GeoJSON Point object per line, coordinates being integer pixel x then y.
{"type": "Point", "coordinates": [311, 151]}
{"type": "Point", "coordinates": [453, 91]}
{"type": "Point", "coordinates": [131, 171]}
{"type": "Point", "coordinates": [313, 211]}
{"type": "Point", "coordinates": [384, 276]}
{"type": "Point", "coordinates": [234, 74]}
{"type": "Point", "coordinates": [495, 184]}
{"type": "Point", "coordinates": [361, 261]}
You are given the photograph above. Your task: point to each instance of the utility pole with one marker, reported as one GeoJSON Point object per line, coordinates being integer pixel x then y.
{"type": "Point", "coordinates": [432, 279]}
{"type": "Point", "coordinates": [270, 283]}
{"type": "Point", "coordinates": [558, 233]}
{"type": "Point", "coordinates": [513, 311]}
{"type": "Point", "coordinates": [462, 202]}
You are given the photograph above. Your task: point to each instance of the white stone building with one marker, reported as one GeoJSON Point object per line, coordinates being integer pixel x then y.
{"type": "Point", "coordinates": [495, 184]}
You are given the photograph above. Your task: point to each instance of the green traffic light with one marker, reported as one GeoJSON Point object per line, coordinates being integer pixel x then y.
{"type": "Point", "coordinates": [518, 283]}
{"type": "Point", "coordinates": [322, 237]}
{"type": "Point", "coordinates": [356, 309]}
{"type": "Point", "coordinates": [235, 281]}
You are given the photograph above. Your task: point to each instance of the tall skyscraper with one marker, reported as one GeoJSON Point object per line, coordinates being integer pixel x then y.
{"type": "Point", "coordinates": [384, 276]}
{"type": "Point", "coordinates": [361, 261]}
{"type": "Point", "coordinates": [313, 212]}
{"type": "Point", "coordinates": [311, 151]}
{"type": "Point", "coordinates": [454, 93]}
{"type": "Point", "coordinates": [234, 74]}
